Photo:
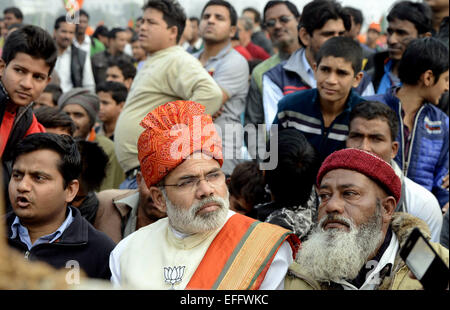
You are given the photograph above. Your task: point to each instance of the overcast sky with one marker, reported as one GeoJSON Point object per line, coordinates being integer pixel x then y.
{"type": "Point", "coordinates": [372, 9]}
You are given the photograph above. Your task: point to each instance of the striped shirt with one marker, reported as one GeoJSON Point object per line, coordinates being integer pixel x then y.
{"type": "Point", "coordinates": [302, 111]}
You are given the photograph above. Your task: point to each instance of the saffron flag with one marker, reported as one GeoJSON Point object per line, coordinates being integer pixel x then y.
{"type": "Point", "coordinates": [73, 5]}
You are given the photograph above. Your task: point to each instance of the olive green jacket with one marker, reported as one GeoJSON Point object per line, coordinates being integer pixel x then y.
{"type": "Point", "coordinates": [402, 225]}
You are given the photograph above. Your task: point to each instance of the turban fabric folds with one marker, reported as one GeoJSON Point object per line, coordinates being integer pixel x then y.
{"type": "Point", "coordinates": [173, 132]}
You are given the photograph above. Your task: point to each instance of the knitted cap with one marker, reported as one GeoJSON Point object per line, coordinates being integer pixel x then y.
{"type": "Point", "coordinates": [83, 97]}
{"type": "Point", "coordinates": [366, 163]}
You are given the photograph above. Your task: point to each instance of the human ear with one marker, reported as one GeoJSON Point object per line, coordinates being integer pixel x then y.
{"type": "Point", "coordinates": [357, 79]}
{"type": "Point", "coordinates": [304, 36]}
{"type": "Point", "coordinates": [2, 66]}
{"type": "Point", "coordinates": [388, 205]}
{"type": "Point", "coordinates": [72, 190]}
{"type": "Point", "coordinates": [427, 78]}
{"type": "Point", "coordinates": [158, 198]}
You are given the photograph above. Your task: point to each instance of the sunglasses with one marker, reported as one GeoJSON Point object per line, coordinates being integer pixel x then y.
{"type": "Point", "coordinates": [283, 20]}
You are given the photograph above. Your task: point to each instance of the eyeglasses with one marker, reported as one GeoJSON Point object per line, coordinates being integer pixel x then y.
{"type": "Point", "coordinates": [214, 179]}
{"type": "Point", "coordinates": [283, 20]}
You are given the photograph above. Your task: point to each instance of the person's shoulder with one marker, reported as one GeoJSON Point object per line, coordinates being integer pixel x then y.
{"type": "Point", "coordinates": [298, 98]}
{"type": "Point", "coordinates": [418, 192]}
{"type": "Point", "coordinates": [266, 65]}
{"type": "Point", "coordinates": [235, 58]}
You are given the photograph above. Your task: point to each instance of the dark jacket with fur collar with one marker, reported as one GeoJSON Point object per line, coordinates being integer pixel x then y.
{"type": "Point", "coordinates": [402, 225]}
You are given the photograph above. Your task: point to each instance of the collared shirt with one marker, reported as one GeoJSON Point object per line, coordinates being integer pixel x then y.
{"type": "Point", "coordinates": [22, 231]}
{"type": "Point", "coordinates": [308, 69]}
{"type": "Point", "coordinates": [375, 277]}
{"type": "Point", "coordinates": [389, 79]}
{"type": "Point", "coordinates": [63, 68]}
{"type": "Point", "coordinates": [85, 45]}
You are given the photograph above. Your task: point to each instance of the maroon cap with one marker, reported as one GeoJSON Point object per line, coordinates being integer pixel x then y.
{"type": "Point", "coordinates": [366, 163]}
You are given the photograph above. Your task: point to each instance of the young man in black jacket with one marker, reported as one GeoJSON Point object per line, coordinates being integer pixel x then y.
{"type": "Point", "coordinates": [42, 225]}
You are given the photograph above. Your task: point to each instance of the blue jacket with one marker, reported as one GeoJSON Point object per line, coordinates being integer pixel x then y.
{"type": "Point", "coordinates": [428, 154]}
{"type": "Point", "coordinates": [301, 110]}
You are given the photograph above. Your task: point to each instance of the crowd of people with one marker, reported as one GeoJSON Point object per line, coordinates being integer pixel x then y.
{"type": "Point", "coordinates": [321, 147]}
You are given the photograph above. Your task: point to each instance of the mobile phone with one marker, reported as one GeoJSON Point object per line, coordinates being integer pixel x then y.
{"type": "Point", "coordinates": [424, 262]}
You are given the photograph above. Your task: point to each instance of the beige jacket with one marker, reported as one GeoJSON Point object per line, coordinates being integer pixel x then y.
{"type": "Point", "coordinates": [167, 75]}
{"type": "Point", "coordinates": [402, 225]}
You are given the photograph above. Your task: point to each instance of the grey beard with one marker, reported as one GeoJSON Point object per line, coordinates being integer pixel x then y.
{"type": "Point", "coordinates": [334, 255]}
{"type": "Point", "coordinates": [188, 222]}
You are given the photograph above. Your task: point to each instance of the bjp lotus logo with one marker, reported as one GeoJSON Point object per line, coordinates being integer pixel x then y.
{"type": "Point", "coordinates": [173, 275]}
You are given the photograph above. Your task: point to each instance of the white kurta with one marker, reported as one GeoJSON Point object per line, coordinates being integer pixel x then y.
{"type": "Point", "coordinates": [140, 259]}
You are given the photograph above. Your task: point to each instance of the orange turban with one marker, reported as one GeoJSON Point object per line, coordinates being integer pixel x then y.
{"type": "Point", "coordinates": [174, 131]}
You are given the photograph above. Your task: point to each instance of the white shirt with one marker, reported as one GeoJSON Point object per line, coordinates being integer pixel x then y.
{"type": "Point", "coordinates": [274, 279]}
{"type": "Point", "coordinates": [421, 203]}
{"type": "Point", "coordinates": [85, 45]}
{"type": "Point", "coordinates": [373, 278]}
{"type": "Point", "coordinates": [62, 67]}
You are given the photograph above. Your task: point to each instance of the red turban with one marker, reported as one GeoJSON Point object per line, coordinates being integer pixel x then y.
{"type": "Point", "coordinates": [172, 132]}
{"type": "Point", "coordinates": [366, 163]}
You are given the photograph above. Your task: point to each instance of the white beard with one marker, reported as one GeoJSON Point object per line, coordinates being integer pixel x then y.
{"type": "Point", "coordinates": [188, 222]}
{"type": "Point", "coordinates": [332, 255]}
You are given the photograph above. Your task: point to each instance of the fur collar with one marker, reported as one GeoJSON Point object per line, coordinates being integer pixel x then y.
{"type": "Point", "coordinates": [402, 225]}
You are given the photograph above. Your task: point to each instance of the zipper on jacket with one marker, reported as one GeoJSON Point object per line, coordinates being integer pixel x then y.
{"type": "Point", "coordinates": [412, 141]}
{"type": "Point", "coordinates": [27, 254]}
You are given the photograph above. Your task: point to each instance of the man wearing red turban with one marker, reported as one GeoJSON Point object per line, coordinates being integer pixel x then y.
{"type": "Point", "coordinates": [201, 244]}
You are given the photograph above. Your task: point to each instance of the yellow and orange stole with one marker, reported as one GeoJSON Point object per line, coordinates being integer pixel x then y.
{"type": "Point", "coordinates": [240, 255]}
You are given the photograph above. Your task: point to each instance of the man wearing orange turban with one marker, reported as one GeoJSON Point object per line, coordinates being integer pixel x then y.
{"type": "Point", "coordinates": [201, 244]}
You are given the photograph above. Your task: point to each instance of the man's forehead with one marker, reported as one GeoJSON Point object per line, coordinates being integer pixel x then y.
{"type": "Point", "coordinates": [217, 9]}
{"type": "Point", "coordinates": [338, 177]}
{"type": "Point", "coordinates": [375, 125]}
{"type": "Point", "coordinates": [195, 163]}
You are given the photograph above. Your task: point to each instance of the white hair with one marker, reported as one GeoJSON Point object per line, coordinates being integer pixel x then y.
{"type": "Point", "coordinates": [189, 222]}
{"type": "Point", "coordinates": [333, 254]}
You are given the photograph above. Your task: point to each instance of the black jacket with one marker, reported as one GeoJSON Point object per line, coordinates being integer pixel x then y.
{"type": "Point", "coordinates": [77, 60]}
{"type": "Point", "coordinates": [80, 242]}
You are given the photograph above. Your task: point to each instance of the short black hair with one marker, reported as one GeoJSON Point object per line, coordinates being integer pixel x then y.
{"type": "Point", "coordinates": [357, 15]}
{"type": "Point", "coordinates": [247, 181]}
{"type": "Point", "coordinates": [117, 90]}
{"type": "Point", "coordinates": [418, 13]}
{"type": "Point", "coordinates": [370, 110]}
{"type": "Point", "coordinates": [15, 11]}
{"type": "Point", "coordinates": [126, 67]}
{"type": "Point", "coordinates": [291, 7]}
{"type": "Point", "coordinates": [33, 41]}
{"type": "Point", "coordinates": [112, 34]}
{"type": "Point", "coordinates": [422, 55]}
{"type": "Point", "coordinates": [443, 31]}
{"type": "Point", "coordinates": [342, 47]}
{"type": "Point", "coordinates": [297, 162]}
{"type": "Point", "coordinates": [226, 4]}
{"type": "Point", "coordinates": [70, 163]}
{"type": "Point", "coordinates": [196, 19]}
{"type": "Point", "coordinates": [318, 12]}
{"type": "Point", "coordinates": [59, 20]}
{"type": "Point", "coordinates": [254, 11]}
{"type": "Point", "coordinates": [83, 12]}
{"type": "Point", "coordinates": [93, 165]}
{"type": "Point", "coordinates": [53, 117]}
{"type": "Point", "coordinates": [55, 90]}
{"type": "Point", "coordinates": [173, 13]}
{"type": "Point", "coordinates": [101, 30]}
